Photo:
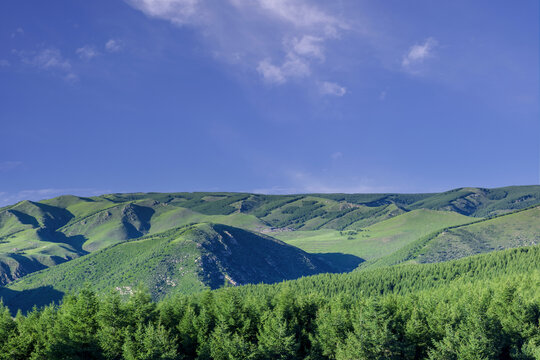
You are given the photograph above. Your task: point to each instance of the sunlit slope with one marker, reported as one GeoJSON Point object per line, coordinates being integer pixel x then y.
{"type": "Point", "coordinates": [32, 238]}
{"type": "Point", "coordinates": [34, 235]}
{"type": "Point", "coordinates": [181, 260]}
{"type": "Point", "coordinates": [377, 240]}
{"type": "Point", "coordinates": [516, 229]}
{"type": "Point", "coordinates": [510, 231]}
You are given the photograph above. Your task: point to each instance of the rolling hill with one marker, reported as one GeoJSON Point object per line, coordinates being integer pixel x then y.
{"type": "Point", "coordinates": [510, 230]}
{"type": "Point", "coordinates": [376, 240]}
{"type": "Point", "coordinates": [38, 235]}
{"type": "Point", "coordinates": [485, 306]}
{"type": "Point", "coordinates": [184, 260]}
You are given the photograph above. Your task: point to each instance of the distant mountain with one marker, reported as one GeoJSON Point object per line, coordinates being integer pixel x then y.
{"type": "Point", "coordinates": [38, 235]}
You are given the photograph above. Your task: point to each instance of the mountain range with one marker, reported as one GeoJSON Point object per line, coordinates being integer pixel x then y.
{"type": "Point", "coordinates": [187, 242]}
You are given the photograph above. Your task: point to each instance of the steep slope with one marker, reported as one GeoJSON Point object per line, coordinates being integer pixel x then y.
{"type": "Point", "coordinates": [516, 229]}
{"type": "Point", "coordinates": [32, 239]}
{"type": "Point", "coordinates": [182, 260]}
{"type": "Point", "coordinates": [513, 230]}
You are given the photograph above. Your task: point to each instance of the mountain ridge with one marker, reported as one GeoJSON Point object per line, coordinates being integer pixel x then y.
{"type": "Point", "coordinates": [35, 236]}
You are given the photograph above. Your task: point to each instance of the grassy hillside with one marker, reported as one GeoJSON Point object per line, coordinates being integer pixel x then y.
{"type": "Point", "coordinates": [37, 235]}
{"type": "Point", "coordinates": [510, 231]}
{"type": "Point", "coordinates": [377, 240]}
{"type": "Point", "coordinates": [482, 307]}
{"type": "Point", "coordinates": [516, 229]}
{"type": "Point", "coordinates": [182, 260]}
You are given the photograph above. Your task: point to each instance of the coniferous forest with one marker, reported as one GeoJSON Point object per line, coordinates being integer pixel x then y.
{"type": "Point", "coordinates": [481, 307]}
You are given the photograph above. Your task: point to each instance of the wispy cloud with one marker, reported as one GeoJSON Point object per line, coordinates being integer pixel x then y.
{"type": "Point", "coordinates": [87, 52]}
{"type": "Point", "coordinates": [336, 155]}
{"type": "Point", "coordinates": [4, 63]}
{"type": "Point", "coordinates": [292, 67]}
{"type": "Point", "coordinates": [113, 45]}
{"type": "Point", "coordinates": [301, 182]}
{"type": "Point", "coordinates": [9, 165]}
{"type": "Point", "coordinates": [310, 183]}
{"type": "Point", "coordinates": [418, 53]}
{"type": "Point", "coordinates": [330, 88]}
{"type": "Point", "coordinates": [9, 198]}
{"type": "Point", "coordinates": [49, 59]}
{"type": "Point", "coordinates": [18, 32]}
{"type": "Point", "coordinates": [309, 46]}
{"type": "Point", "coordinates": [299, 13]}
{"type": "Point", "coordinates": [179, 12]}
{"type": "Point", "coordinates": [278, 39]}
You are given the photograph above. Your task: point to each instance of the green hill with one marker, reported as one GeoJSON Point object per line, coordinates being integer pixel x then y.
{"type": "Point", "coordinates": [481, 307]}
{"type": "Point", "coordinates": [37, 235]}
{"type": "Point", "coordinates": [182, 260]}
{"type": "Point", "coordinates": [379, 239]}
{"type": "Point", "coordinates": [510, 230]}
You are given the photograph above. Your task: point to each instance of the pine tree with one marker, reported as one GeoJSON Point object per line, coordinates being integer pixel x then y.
{"type": "Point", "coordinates": [150, 343]}
{"type": "Point", "coordinates": [276, 339]}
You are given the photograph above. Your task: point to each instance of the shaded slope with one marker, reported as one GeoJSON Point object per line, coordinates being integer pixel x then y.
{"type": "Point", "coordinates": [407, 278]}
{"type": "Point", "coordinates": [182, 260]}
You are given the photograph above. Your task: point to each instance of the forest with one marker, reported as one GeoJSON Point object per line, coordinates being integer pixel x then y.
{"type": "Point", "coordinates": [480, 307]}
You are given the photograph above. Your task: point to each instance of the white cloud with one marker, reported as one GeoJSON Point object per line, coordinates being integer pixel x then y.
{"type": "Point", "coordinates": [279, 39]}
{"type": "Point", "coordinates": [4, 63]}
{"type": "Point", "coordinates": [293, 67]}
{"type": "Point", "coordinates": [298, 13]}
{"type": "Point", "coordinates": [87, 52]}
{"type": "Point", "coordinates": [382, 96]}
{"type": "Point", "coordinates": [271, 73]}
{"type": "Point", "coordinates": [177, 11]}
{"type": "Point", "coordinates": [418, 53]}
{"type": "Point", "coordinates": [113, 45]}
{"type": "Point", "coordinates": [49, 59]}
{"type": "Point", "coordinates": [330, 88]}
{"type": "Point", "coordinates": [309, 46]}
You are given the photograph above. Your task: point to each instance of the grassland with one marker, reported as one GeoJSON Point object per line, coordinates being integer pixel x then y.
{"type": "Point", "coordinates": [377, 240]}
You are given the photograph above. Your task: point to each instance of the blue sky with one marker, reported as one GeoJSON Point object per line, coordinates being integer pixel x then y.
{"type": "Point", "coordinates": [273, 96]}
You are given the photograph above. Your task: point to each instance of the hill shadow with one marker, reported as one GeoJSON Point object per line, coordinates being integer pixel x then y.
{"type": "Point", "coordinates": [57, 218]}
{"type": "Point", "coordinates": [25, 218]}
{"type": "Point", "coordinates": [76, 241]}
{"type": "Point", "coordinates": [25, 300]}
{"type": "Point", "coordinates": [143, 214]}
{"type": "Point", "coordinates": [339, 261]}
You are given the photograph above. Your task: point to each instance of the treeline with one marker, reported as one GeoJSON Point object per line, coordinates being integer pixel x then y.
{"type": "Point", "coordinates": [490, 311]}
